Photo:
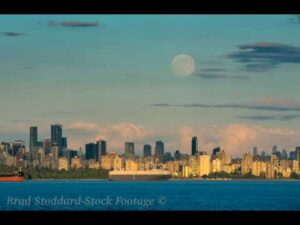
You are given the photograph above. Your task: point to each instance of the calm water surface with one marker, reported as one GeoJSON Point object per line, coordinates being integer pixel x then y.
{"type": "Point", "coordinates": [165, 195]}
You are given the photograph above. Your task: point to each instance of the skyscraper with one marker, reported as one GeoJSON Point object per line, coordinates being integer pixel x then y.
{"type": "Point", "coordinates": [204, 165]}
{"type": "Point", "coordinates": [177, 155]}
{"type": "Point", "coordinates": [284, 154]}
{"type": "Point", "coordinates": [33, 138]}
{"type": "Point", "coordinates": [129, 149]}
{"type": "Point", "coordinates": [159, 150]}
{"type": "Point", "coordinates": [56, 134]}
{"type": "Point", "coordinates": [47, 143]}
{"type": "Point", "coordinates": [246, 165]}
{"type": "Point", "coordinates": [101, 149]}
{"type": "Point", "coordinates": [147, 150]}
{"type": "Point", "coordinates": [91, 151]}
{"type": "Point", "coordinates": [55, 154]}
{"type": "Point", "coordinates": [298, 155]}
{"type": "Point", "coordinates": [64, 142]}
{"type": "Point", "coordinates": [215, 152]}
{"type": "Point", "coordinates": [274, 149]}
{"type": "Point", "coordinates": [194, 145]}
{"type": "Point", "coordinates": [255, 151]}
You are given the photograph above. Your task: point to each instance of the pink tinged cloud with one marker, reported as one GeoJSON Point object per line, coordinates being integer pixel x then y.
{"type": "Point", "coordinates": [236, 139]}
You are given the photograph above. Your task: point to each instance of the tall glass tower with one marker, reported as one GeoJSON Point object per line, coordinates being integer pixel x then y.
{"type": "Point", "coordinates": [33, 138]}
{"type": "Point", "coordinates": [194, 145]}
{"type": "Point", "coordinates": [56, 134]}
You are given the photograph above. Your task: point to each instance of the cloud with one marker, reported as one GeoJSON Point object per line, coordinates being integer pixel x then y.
{"type": "Point", "coordinates": [238, 139]}
{"type": "Point", "coordinates": [73, 24]}
{"type": "Point", "coordinates": [213, 70]}
{"type": "Point", "coordinates": [264, 104]}
{"type": "Point", "coordinates": [11, 34]}
{"type": "Point", "coordinates": [216, 73]}
{"type": "Point", "coordinates": [265, 56]}
{"type": "Point", "coordinates": [270, 117]}
{"type": "Point", "coordinates": [219, 76]}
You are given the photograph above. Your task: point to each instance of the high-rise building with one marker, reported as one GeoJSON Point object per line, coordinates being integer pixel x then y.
{"type": "Point", "coordinates": [224, 158]}
{"type": "Point", "coordinates": [194, 145]}
{"type": "Point", "coordinates": [56, 134]}
{"type": "Point", "coordinates": [177, 155]}
{"type": "Point", "coordinates": [64, 143]}
{"type": "Point", "coordinates": [284, 154]}
{"type": "Point", "coordinates": [204, 165]}
{"type": "Point", "coordinates": [292, 155]}
{"type": "Point", "coordinates": [33, 138]}
{"type": "Point", "coordinates": [55, 154]}
{"type": "Point", "coordinates": [246, 165]}
{"type": "Point", "coordinates": [259, 168]}
{"type": "Point", "coordinates": [91, 151]}
{"type": "Point", "coordinates": [263, 154]}
{"type": "Point", "coordinates": [47, 143]}
{"type": "Point", "coordinates": [101, 149]}
{"type": "Point", "coordinates": [129, 149]}
{"type": "Point", "coordinates": [298, 155]}
{"type": "Point", "coordinates": [159, 150]}
{"type": "Point", "coordinates": [215, 152]}
{"type": "Point", "coordinates": [147, 151]}
{"type": "Point", "coordinates": [167, 156]}
{"type": "Point", "coordinates": [274, 149]}
{"type": "Point", "coordinates": [255, 151]}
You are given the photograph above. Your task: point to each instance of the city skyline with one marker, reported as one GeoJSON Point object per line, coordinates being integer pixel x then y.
{"type": "Point", "coordinates": [230, 80]}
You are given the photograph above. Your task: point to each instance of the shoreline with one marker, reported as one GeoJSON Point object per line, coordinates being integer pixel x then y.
{"type": "Point", "coordinates": [172, 179]}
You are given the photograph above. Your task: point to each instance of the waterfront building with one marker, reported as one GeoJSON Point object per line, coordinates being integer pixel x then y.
{"type": "Point", "coordinates": [215, 165]}
{"type": "Point", "coordinates": [271, 170]}
{"type": "Point", "coordinates": [63, 163]}
{"type": "Point", "coordinates": [118, 163]}
{"type": "Point", "coordinates": [131, 165]}
{"type": "Point", "coordinates": [259, 168]}
{"type": "Point", "coordinates": [204, 165]}
{"type": "Point", "coordinates": [194, 145]}
{"type": "Point", "coordinates": [55, 155]}
{"type": "Point", "coordinates": [93, 164]}
{"type": "Point", "coordinates": [246, 165]}
{"type": "Point", "coordinates": [295, 166]}
{"type": "Point", "coordinates": [107, 161]}
{"type": "Point", "coordinates": [76, 163]}
{"type": "Point", "coordinates": [224, 159]}
{"type": "Point", "coordinates": [193, 165]}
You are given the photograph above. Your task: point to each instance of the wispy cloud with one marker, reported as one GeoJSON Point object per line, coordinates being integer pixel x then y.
{"type": "Point", "coordinates": [73, 24]}
{"type": "Point", "coordinates": [264, 104]}
{"type": "Point", "coordinates": [11, 34]}
{"type": "Point", "coordinates": [217, 73]}
{"type": "Point", "coordinates": [265, 56]}
{"type": "Point", "coordinates": [270, 117]}
{"type": "Point", "coordinates": [214, 76]}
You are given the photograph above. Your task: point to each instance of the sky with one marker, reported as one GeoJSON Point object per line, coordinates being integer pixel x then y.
{"type": "Point", "coordinates": [115, 80]}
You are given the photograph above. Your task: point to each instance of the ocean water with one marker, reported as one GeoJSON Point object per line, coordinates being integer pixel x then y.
{"type": "Point", "coordinates": [164, 195]}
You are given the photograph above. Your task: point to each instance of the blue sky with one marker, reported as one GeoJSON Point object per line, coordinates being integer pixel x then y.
{"type": "Point", "coordinates": [109, 80]}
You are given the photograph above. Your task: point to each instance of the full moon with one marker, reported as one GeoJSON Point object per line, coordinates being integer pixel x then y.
{"type": "Point", "coordinates": [183, 65]}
